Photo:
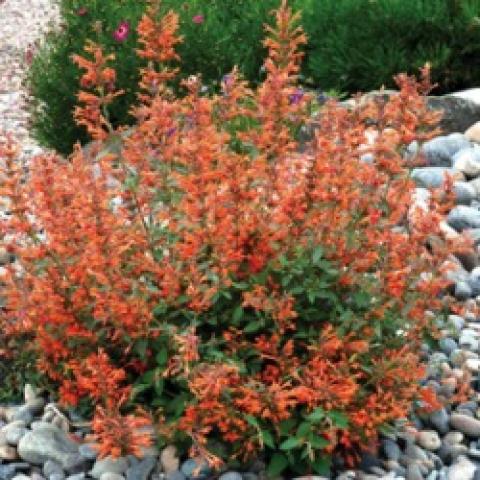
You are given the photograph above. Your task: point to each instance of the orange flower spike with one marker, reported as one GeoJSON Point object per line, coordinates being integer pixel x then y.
{"type": "Point", "coordinates": [119, 435]}
{"type": "Point", "coordinates": [100, 78]}
{"type": "Point", "coordinates": [159, 39]}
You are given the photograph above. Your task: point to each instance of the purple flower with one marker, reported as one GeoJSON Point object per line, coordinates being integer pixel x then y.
{"type": "Point", "coordinates": [122, 31]}
{"type": "Point", "coordinates": [227, 80]}
{"type": "Point", "coordinates": [171, 131]}
{"type": "Point", "coordinates": [198, 19]}
{"type": "Point", "coordinates": [322, 97]}
{"type": "Point", "coordinates": [296, 96]}
{"type": "Point", "coordinates": [226, 83]}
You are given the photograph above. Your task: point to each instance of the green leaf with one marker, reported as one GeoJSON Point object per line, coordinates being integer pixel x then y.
{"type": "Point", "coordinates": [227, 294]}
{"type": "Point", "coordinates": [317, 254]}
{"type": "Point", "coordinates": [141, 348]}
{"type": "Point", "coordinates": [290, 443]}
{"type": "Point", "coordinates": [362, 299]}
{"type": "Point", "coordinates": [277, 465]}
{"type": "Point", "coordinates": [182, 299]}
{"type": "Point", "coordinates": [267, 438]}
{"type": "Point", "coordinates": [159, 385]}
{"type": "Point", "coordinates": [139, 388]}
{"type": "Point", "coordinates": [253, 326]}
{"type": "Point", "coordinates": [317, 415]}
{"type": "Point", "coordinates": [160, 309]}
{"type": "Point", "coordinates": [297, 290]}
{"type": "Point", "coordinates": [132, 182]}
{"type": "Point", "coordinates": [237, 314]}
{"type": "Point", "coordinates": [338, 418]}
{"type": "Point", "coordinates": [318, 442]}
{"type": "Point", "coordinates": [322, 466]}
{"type": "Point", "coordinates": [179, 405]}
{"type": "Point", "coordinates": [286, 426]}
{"type": "Point", "coordinates": [304, 429]}
{"type": "Point", "coordinates": [252, 421]}
{"type": "Point", "coordinates": [162, 357]}
{"type": "Point", "coordinates": [283, 260]}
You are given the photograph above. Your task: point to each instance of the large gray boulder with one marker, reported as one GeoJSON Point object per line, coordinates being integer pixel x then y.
{"type": "Point", "coordinates": [458, 113]}
{"type": "Point", "coordinates": [460, 109]}
{"type": "Point", "coordinates": [47, 442]}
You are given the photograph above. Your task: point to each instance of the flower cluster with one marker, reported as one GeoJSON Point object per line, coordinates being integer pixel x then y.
{"type": "Point", "coordinates": [252, 293]}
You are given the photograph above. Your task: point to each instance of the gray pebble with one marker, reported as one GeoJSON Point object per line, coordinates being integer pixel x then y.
{"type": "Point", "coordinates": [109, 465]}
{"type": "Point", "coordinates": [87, 451]}
{"type": "Point", "coordinates": [50, 467]}
{"type": "Point", "coordinates": [456, 321]}
{"type": "Point", "coordinates": [448, 345]}
{"type": "Point", "coordinates": [57, 476]}
{"type": "Point", "coordinates": [141, 469]}
{"type": "Point", "coordinates": [462, 469]}
{"type": "Point", "coordinates": [429, 440]}
{"type": "Point", "coordinates": [111, 476]}
{"type": "Point", "coordinates": [464, 193]}
{"type": "Point", "coordinates": [14, 435]}
{"type": "Point", "coordinates": [462, 217]}
{"type": "Point", "coordinates": [465, 424]}
{"type": "Point", "coordinates": [390, 449]}
{"type": "Point", "coordinates": [190, 466]}
{"type": "Point", "coordinates": [178, 475]}
{"type": "Point", "coordinates": [230, 476]}
{"type": "Point", "coordinates": [453, 438]}
{"type": "Point", "coordinates": [431, 177]}
{"type": "Point", "coordinates": [448, 453]}
{"type": "Point", "coordinates": [463, 290]}
{"type": "Point", "coordinates": [414, 472]}
{"type": "Point", "coordinates": [439, 420]}
{"type": "Point", "coordinates": [439, 151]}
{"type": "Point", "coordinates": [77, 476]}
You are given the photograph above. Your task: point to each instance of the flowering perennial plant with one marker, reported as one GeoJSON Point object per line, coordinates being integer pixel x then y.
{"type": "Point", "coordinates": [252, 297]}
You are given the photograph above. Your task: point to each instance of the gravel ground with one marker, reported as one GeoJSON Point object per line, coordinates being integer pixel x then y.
{"type": "Point", "coordinates": [23, 22]}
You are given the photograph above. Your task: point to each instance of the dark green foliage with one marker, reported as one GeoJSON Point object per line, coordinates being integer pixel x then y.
{"type": "Point", "coordinates": [19, 369]}
{"type": "Point", "coordinates": [354, 45]}
{"type": "Point", "coordinates": [230, 34]}
{"type": "Point", "coordinates": [358, 45]}
{"type": "Point", "coordinates": [54, 79]}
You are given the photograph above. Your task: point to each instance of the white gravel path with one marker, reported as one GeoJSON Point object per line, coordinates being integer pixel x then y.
{"type": "Point", "coordinates": [22, 24]}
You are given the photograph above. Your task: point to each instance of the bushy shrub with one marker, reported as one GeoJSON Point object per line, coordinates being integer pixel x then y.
{"type": "Point", "coordinates": [53, 77]}
{"type": "Point", "coordinates": [357, 45]}
{"type": "Point", "coordinates": [344, 53]}
{"type": "Point", "coordinates": [219, 35]}
{"type": "Point", "coordinates": [248, 298]}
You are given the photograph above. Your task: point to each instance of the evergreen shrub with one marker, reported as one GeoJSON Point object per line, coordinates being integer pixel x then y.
{"type": "Point", "coordinates": [354, 45]}
{"type": "Point", "coordinates": [358, 45]}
